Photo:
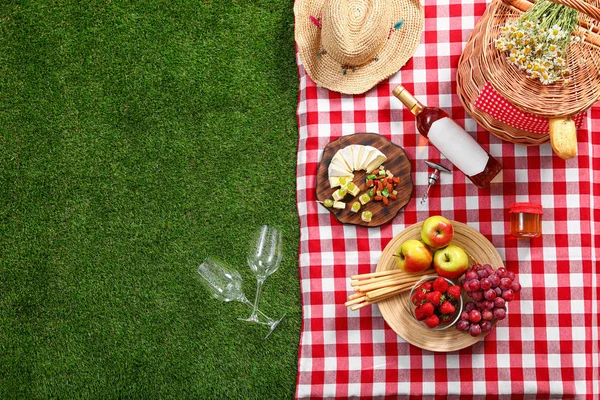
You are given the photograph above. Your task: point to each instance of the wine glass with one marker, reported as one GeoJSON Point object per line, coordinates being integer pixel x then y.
{"type": "Point", "coordinates": [225, 284]}
{"type": "Point", "coordinates": [264, 258]}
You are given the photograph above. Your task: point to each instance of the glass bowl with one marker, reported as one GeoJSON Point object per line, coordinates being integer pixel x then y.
{"type": "Point", "coordinates": [454, 317]}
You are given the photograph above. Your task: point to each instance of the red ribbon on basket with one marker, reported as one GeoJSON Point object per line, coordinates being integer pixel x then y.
{"type": "Point", "coordinates": [497, 107]}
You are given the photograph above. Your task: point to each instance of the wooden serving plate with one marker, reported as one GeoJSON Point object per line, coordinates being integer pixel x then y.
{"type": "Point", "coordinates": [396, 310]}
{"type": "Point", "coordinates": [398, 164]}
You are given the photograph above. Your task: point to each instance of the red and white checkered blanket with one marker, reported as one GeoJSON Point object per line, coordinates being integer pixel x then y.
{"type": "Point", "coordinates": [549, 344]}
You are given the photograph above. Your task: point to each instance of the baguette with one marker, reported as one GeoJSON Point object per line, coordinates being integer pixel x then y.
{"type": "Point", "coordinates": [563, 137]}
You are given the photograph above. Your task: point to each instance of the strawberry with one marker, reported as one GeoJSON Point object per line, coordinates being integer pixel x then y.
{"type": "Point", "coordinates": [419, 314]}
{"type": "Point", "coordinates": [440, 285]}
{"type": "Point", "coordinates": [414, 300]}
{"type": "Point", "coordinates": [418, 298]}
{"type": "Point", "coordinates": [432, 321]}
{"type": "Point", "coordinates": [434, 297]}
{"type": "Point", "coordinates": [454, 292]}
{"type": "Point", "coordinates": [427, 309]}
{"type": "Point", "coordinates": [447, 308]}
{"type": "Point", "coordinates": [427, 286]}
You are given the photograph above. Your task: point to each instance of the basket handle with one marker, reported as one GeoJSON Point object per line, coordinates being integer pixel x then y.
{"type": "Point", "coordinates": [581, 6]}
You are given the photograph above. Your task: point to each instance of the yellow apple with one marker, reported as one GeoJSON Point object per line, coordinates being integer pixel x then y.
{"type": "Point", "coordinates": [437, 232]}
{"type": "Point", "coordinates": [450, 262]}
{"type": "Point", "coordinates": [413, 256]}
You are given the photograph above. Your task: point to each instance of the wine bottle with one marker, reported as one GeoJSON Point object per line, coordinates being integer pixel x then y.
{"type": "Point", "coordinates": [451, 140]}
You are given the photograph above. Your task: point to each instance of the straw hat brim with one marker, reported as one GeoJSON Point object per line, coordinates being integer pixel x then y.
{"type": "Point", "coordinates": [395, 53]}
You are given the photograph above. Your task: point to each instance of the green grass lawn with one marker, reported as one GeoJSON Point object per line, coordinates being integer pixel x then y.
{"type": "Point", "coordinates": [138, 138]}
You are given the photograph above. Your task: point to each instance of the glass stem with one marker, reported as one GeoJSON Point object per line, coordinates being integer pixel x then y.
{"type": "Point", "coordinates": [247, 302]}
{"type": "Point", "coordinates": [259, 284]}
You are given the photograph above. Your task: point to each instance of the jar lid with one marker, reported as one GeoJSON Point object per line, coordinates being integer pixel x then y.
{"type": "Point", "coordinates": [530, 208]}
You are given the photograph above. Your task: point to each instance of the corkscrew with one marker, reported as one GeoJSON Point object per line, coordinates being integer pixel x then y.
{"type": "Point", "coordinates": [433, 177]}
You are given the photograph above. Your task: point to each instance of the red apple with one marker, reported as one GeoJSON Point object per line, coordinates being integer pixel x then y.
{"type": "Point", "coordinates": [437, 232]}
{"type": "Point", "coordinates": [450, 262]}
{"type": "Point", "coordinates": [413, 256]}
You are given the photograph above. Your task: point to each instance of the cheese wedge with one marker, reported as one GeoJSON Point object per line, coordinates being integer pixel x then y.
{"type": "Point", "coordinates": [336, 170]}
{"type": "Point", "coordinates": [353, 158]}
{"type": "Point", "coordinates": [371, 154]}
{"type": "Point", "coordinates": [359, 156]}
{"type": "Point", "coordinates": [340, 164]}
{"type": "Point", "coordinates": [348, 156]}
{"type": "Point", "coordinates": [339, 160]}
{"type": "Point", "coordinates": [379, 159]}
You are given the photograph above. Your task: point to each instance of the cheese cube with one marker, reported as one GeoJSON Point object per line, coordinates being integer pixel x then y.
{"type": "Point", "coordinates": [364, 198]}
{"type": "Point", "coordinates": [339, 205]}
{"type": "Point", "coordinates": [339, 194]}
{"type": "Point", "coordinates": [366, 216]}
{"type": "Point", "coordinates": [355, 189]}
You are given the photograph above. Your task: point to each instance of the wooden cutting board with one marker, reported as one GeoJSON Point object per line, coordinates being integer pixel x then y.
{"type": "Point", "coordinates": [397, 163]}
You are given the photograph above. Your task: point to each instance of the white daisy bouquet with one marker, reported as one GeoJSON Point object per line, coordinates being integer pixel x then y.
{"type": "Point", "coordinates": [538, 40]}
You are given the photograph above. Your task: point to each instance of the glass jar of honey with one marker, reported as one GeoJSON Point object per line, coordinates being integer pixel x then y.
{"type": "Point", "coordinates": [526, 220]}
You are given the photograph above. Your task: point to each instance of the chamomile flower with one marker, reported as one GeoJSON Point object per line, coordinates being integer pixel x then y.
{"type": "Point", "coordinates": [529, 68]}
{"type": "Point", "coordinates": [547, 64]}
{"type": "Point", "coordinates": [555, 33]}
{"type": "Point", "coordinates": [545, 78]}
{"type": "Point", "coordinates": [501, 44]}
{"type": "Point", "coordinates": [539, 48]}
{"type": "Point", "coordinates": [536, 41]}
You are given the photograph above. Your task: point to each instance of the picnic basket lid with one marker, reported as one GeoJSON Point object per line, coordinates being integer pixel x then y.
{"type": "Point", "coordinates": [482, 63]}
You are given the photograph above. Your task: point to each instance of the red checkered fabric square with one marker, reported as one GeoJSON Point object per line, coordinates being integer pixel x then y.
{"type": "Point", "coordinates": [548, 345]}
{"type": "Point", "coordinates": [492, 103]}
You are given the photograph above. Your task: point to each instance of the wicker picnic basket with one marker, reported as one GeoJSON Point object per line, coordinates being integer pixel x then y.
{"type": "Point", "coordinates": [482, 63]}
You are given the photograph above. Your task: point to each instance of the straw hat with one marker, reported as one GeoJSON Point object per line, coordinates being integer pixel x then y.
{"type": "Point", "coordinates": [351, 45]}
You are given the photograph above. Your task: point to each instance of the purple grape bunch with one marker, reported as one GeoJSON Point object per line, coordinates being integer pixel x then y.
{"type": "Point", "coordinates": [490, 290]}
